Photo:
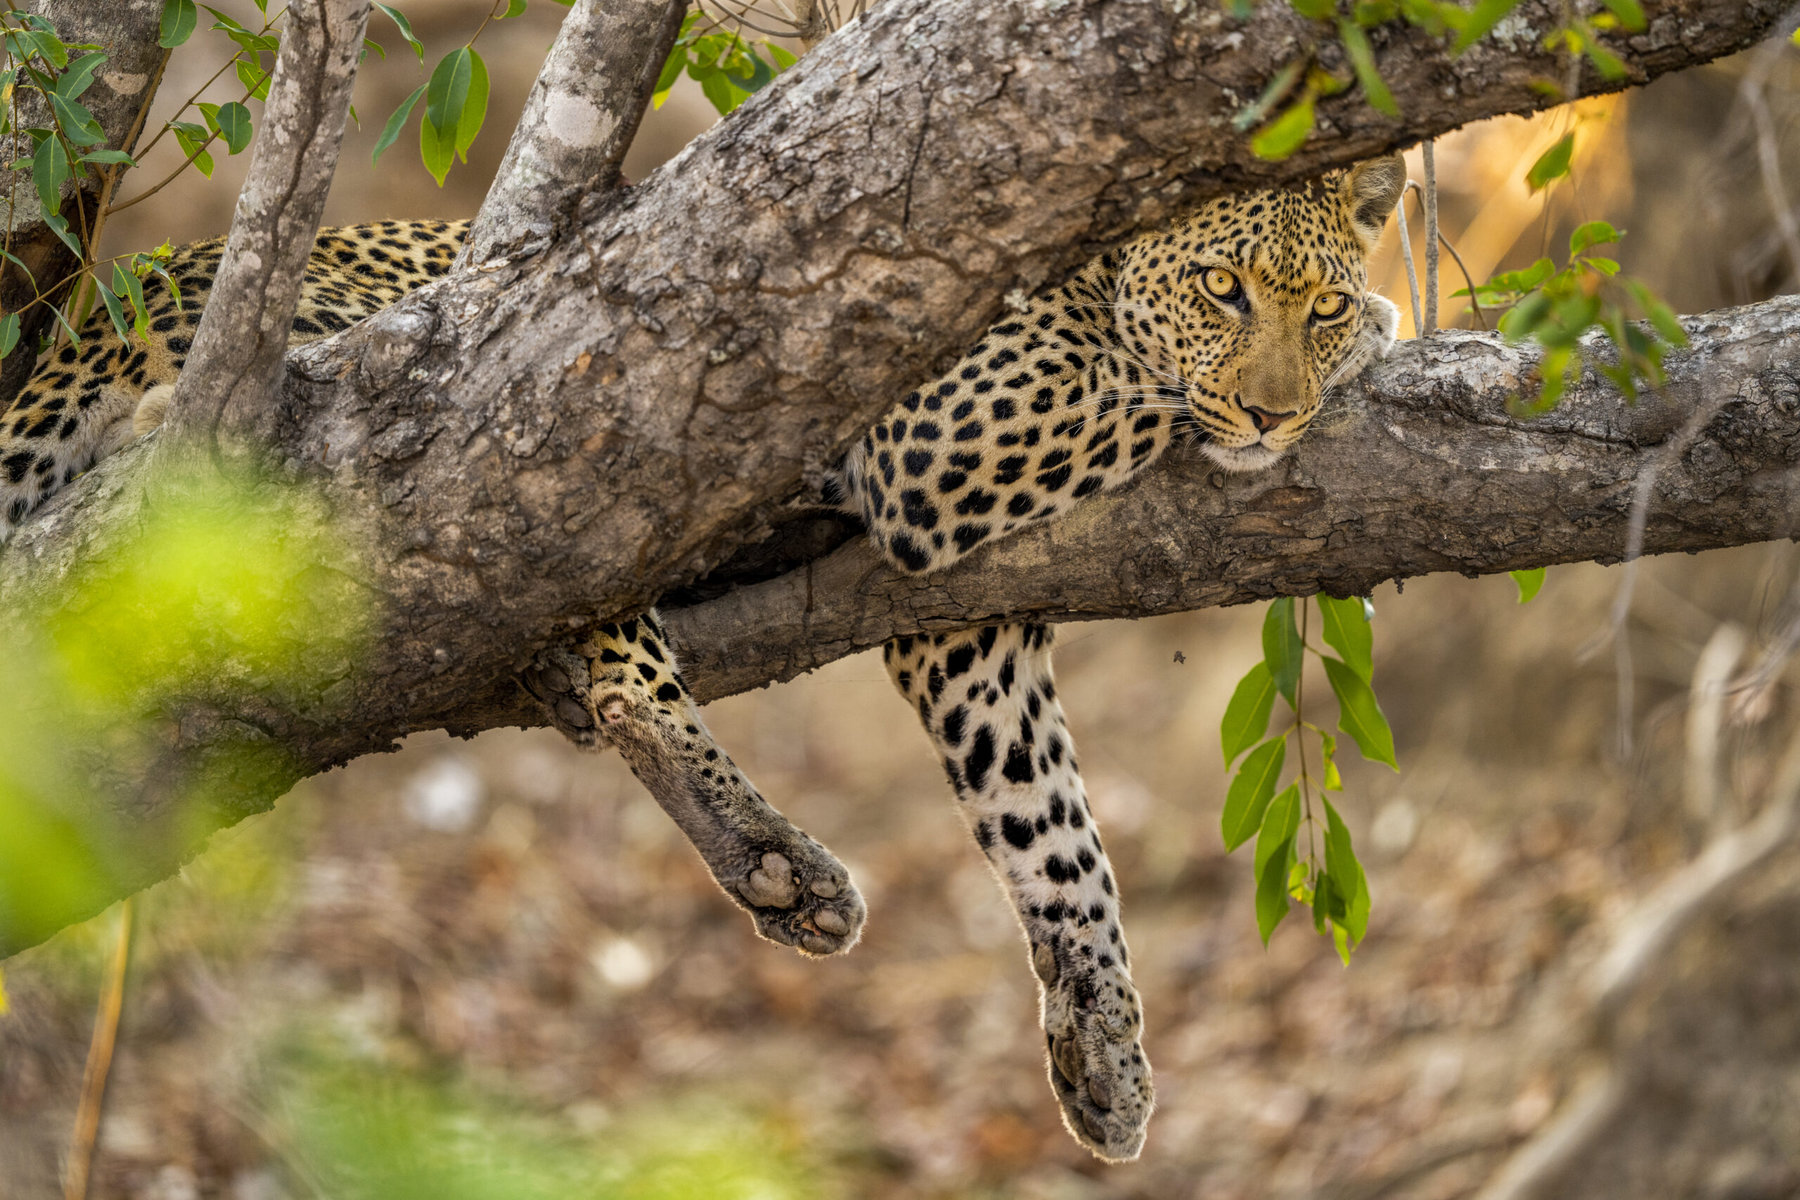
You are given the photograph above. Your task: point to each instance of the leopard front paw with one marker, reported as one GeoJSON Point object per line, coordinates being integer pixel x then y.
{"type": "Point", "coordinates": [1092, 1023]}
{"type": "Point", "coordinates": [802, 897]}
{"type": "Point", "coordinates": [559, 680]}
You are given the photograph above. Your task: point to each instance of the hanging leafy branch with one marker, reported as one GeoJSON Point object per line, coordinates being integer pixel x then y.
{"type": "Point", "coordinates": [1326, 875]}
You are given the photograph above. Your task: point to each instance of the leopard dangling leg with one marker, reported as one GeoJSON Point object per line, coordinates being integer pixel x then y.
{"type": "Point", "coordinates": [622, 686]}
{"type": "Point", "coordinates": [989, 704]}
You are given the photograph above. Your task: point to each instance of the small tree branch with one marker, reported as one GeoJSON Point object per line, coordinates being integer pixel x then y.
{"type": "Point", "coordinates": [578, 122]}
{"type": "Point", "coordinates": [119, 99]}
{"type": "Point", "coordinates": [236, 358]}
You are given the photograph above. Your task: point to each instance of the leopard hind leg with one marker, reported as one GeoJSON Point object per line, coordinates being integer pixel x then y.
{"type": "Point", "coordinates": [621, 686]}
{"type": "Point", "coordinates": [988, 702]}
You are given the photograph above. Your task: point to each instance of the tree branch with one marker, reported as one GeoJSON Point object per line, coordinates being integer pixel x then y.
{"type": "Point", "coordinates": [237, 354]}
{"type": "Point", "coordinates": [525, 448]}
{"type": "Point", "coordinates": [578, 122]}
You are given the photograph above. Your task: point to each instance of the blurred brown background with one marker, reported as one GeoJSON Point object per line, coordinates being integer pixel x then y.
{"type": "Point", "coordinates": [506, 939]}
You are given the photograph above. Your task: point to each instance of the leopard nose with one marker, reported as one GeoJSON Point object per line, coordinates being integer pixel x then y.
{"type": "Point", "coordinates": [1263, 419]}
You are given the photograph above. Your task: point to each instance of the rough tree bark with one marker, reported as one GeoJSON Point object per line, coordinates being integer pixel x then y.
{"type": "Point", "coordinates": [539, 442]}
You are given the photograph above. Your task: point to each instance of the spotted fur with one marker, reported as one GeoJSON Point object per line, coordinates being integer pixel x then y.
{"type": "Point", "coordinates": [1230, 326]}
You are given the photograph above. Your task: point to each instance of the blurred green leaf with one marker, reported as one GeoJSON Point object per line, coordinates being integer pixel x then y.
{"type": "Point", "coordinates": [1286, 133]}
{"type": "Point", "coordinates": [397, 122]}
{"type": "Point", "coordinates": [1552, 163]}
{"type": "Point", "coordinates": [1362, 61]}
{"type": "Point", "coordinates": [1530, 582]}
{"type": "Point", "coordinates": [1481, 21]}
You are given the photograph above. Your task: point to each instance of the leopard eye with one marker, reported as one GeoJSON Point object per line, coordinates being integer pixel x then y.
{"type": "Point", "coordinates": [1220, 282]}
{"type": "Point", "coordinates": [1329, 305]}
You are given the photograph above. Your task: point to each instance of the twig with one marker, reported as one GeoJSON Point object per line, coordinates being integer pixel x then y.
{"type": "Point", "coordinates": [1431, 238]}
{"type": "Point", "coordinates": [1706, 711]}
{"type": "Point", "coordinates": [1474, 300]}
{"type": "Point", "coordinates": [1406, 256]}
{"type": "Point", "coordinates": [99, 1062]}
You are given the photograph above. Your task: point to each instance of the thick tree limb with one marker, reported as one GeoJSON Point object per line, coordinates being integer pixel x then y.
{"type": "Point", "coordinates": [578, 122]}
{"type": "Point", "coordinates": [238, 349]}
{"type": "Point", "coordinates": [120, 100]}
{"type": "Point", "coordinates": [1418, 468]}
{"type": "Point", "coordinates": [529, 446]}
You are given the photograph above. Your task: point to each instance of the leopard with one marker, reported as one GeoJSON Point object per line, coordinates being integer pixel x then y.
{"type": "Point", "coordinates": [1227, 329]}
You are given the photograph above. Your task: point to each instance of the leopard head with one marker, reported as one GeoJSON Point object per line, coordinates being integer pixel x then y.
{"type": "Point", "coordinates": [1254, 306]}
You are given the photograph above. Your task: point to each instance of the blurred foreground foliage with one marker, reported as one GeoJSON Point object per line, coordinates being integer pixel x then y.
{"type": "Point", "coordinates": [362, 1131]}
{"type": "Point", "coordinates": [224, 580]}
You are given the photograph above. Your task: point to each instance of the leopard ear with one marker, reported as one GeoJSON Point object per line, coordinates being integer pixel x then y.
{"type": "Point", "coordinates": [1370, 190]}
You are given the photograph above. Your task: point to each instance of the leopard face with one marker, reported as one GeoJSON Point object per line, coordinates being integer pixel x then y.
{"type": "Point", "coordinates": [1234, 324]}
{"type": "Point", "coordinates": [1252, 308]}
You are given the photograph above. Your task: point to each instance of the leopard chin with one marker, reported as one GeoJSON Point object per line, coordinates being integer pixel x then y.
{"type": "Point", "coordinates": [1242, 460]}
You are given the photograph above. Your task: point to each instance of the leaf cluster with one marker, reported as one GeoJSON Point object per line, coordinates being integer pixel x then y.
{"type": "Point", "coordinates": [728, 68]}
{"type": "Point", "coordinates": [1333, 883]}
{"type": "Point", "coordinates": [1286, 108]}
{"type": "Point", "coordinates": [1556, 307]}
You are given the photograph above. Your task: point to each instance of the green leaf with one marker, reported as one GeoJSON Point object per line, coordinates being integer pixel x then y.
{"type": "Point", "coordinates": [254, 79]}
{"type": "Point", "coordinates": [76, 122]}
{"type": "Point", "coordinates": [1280, 822]}
{"type": "Point", "coordinates": [1272, 892]}
{"type": "Point", "coordinates": [128, 285]}
{"type": "Point", "coordinates": [1359, 715]}
{"type": "Point", "coordinates": [192, 139]}
{"type": "Point", "coordinates": [396, 122]}
{"type": "Point", "coordinates": [1247, 800]}
{"type": "Point", "coordinates": [445, 94]}
{"type": "Point", "coordinates": [1481, 21]}
{"type": "Point", "coordinates": [179, 17]}
{"type": "Point", "coordinates": [108, 157]}
{"type": "Point", "coordinates": [474, 110]}
{"type": "Point", "coordinates": [1629, 12]}
{"type": "Point", "coordinates": [79, 77]}
{"type": "Point", "coordinates": [1661, 316]}
{"type": "Point", "coordinates": [1247, 716]}
{"type": "Point", "coordinates": [513, 9]}
{"type": "Point", "coordinates": [1286, 133]}
{"type": "Point", "coordinates": [1362, 61]}
{"type": "Point", "coordinates": [233, 123]}
{"type": "Point", "coordinates": [781, 58]}
{"type": "Point", "coordinates": [1346, 629]}
{"type": "Point", "coordinates": [1552, 163]}
{"type": "Point", "coordinates": [60, 227]}
{"type": "Point", "coordinates": [9, 333]}
{"type": "Point", "coordinates": [1334, 781]}
{"type": "Point", "coordinates": [1591, 233]}
{"type": "Point", "coordinates": [49, 169]}
{"type": "Point", "coordinates": [114, 309]}
{"type": "Point", "coordinates": [1274, 856]}
{"type": "Point", "coordinates": [1274, 93]}
{"type": "Point", "coordinates": [1282, 651]}
{"type": "Point", "coordinates": [399, 19]}
{"type": "Point", "coordinates": [1318, 10]}
{"type": "Point", "coordinates": [1530, 582]}
{"type": "Point", "coordinates": [1347, 875]}
{"type": "Point", "coordinates": [455, 106]}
